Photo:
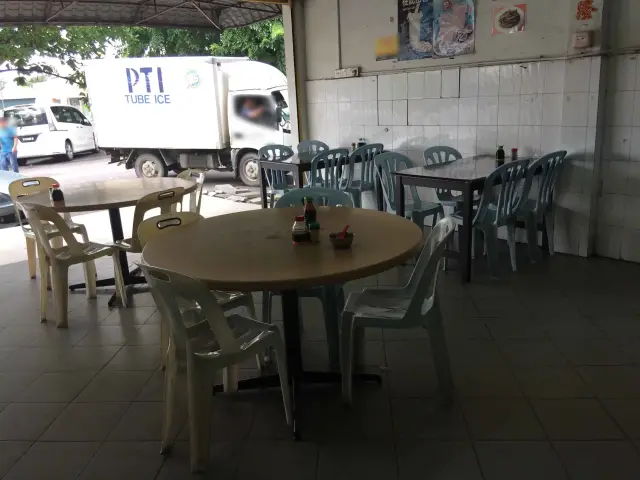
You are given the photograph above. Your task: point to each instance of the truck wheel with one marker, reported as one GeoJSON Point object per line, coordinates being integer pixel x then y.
{"type": "Point", "coordinates": [148, 165]}
{"type": "Point", "coordinates": [249, 169]}
{"type": "Point", "coordinates": [68, 151]}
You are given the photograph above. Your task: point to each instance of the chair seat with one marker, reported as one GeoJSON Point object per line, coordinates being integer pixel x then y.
{"type": "Point", "coordinates": [422, 206]}
{"type": "Point", "coordinates": [52, 231]}
{"type": "Point", "coordinates": [370, 304]}
{"type": "Point", "coordinates": [359, 186]}
{"type": "Point", "coordinates": [89, 249]}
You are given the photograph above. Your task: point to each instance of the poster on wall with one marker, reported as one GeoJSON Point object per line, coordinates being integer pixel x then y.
{"type": "Point", "coordinates": [509, 19]}
{"type": "Point", "coordinates": [435, 28]}
{"type": "Point", "coordinates": [454, 28]}
{"type": "Point", "coordinates": [415, 29]}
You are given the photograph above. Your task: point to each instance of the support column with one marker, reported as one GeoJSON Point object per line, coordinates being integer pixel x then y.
{"type": "Point", "coordinates": [294, 48]}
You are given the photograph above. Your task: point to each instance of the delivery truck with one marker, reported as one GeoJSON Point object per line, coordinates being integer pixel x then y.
{"type": "Point", "coordinates": [157, 115]}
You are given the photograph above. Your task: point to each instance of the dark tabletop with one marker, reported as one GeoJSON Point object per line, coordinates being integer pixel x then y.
{"type": "Point", "coordinates": [467, 169]}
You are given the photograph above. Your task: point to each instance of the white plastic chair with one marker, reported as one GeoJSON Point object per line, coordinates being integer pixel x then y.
{"type": "Point", "coordinates": [203, 342]}
{"type": "Point", "coordinates": [195, 197]}
{"type": "Point", "coordinates": [164, 200]}
{"type": "Point", "coordinates": [29, 186]}
{"type": "Point", "coordinates": [61, 258]}
{"type": "Point", "coordinates": [150, 228]}
{"type": "Point", "coordinates": [412, 306]}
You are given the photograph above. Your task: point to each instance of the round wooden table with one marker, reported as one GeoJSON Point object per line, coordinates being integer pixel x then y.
{"type": "Point", "coordinates": [110, 195]}
{"type": "Point", "coordinates": [253, 251]}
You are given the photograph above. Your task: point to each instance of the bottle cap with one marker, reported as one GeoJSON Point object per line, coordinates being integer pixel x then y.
{"type": "Point", "coordinates": [514, 149]}
{"type": "Point", "coordinates": [299, 218]}
{"type": "Point", "coordinates": [308, 199]}
{"type": "Point", "coordinates": [500, 146]}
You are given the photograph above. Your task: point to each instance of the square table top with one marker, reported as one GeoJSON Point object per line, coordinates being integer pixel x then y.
{"type": "Point", "coordinates": [468, 169]}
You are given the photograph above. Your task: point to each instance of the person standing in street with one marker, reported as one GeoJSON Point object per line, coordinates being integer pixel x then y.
{"type": "Point", "coordinates": [8, 146]}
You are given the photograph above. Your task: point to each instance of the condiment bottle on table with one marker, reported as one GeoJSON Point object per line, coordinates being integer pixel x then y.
{"type": "Point", "coordinates": [299, 231]}
{"type": "Point", "coordinates": [310, 212]}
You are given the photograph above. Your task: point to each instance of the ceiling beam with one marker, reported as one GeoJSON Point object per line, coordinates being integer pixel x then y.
{"type": "Point", "coordinates": [277, 2]}
{"type": "Point", "coordinates": [195, 5]}
{"type": "Point", "coordinates": [69, 5]}
{"type": "Point", "coordinates": [166, 10]}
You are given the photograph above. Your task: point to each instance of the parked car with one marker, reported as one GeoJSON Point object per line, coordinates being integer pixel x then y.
{"type": "Point", "coordinates": [7, 211]}
{"type": "Point", "coordinates": [51, 130]}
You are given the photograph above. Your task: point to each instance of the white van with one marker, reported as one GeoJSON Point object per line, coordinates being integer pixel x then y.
{"type": "Point", "coordinates": [45, 131]}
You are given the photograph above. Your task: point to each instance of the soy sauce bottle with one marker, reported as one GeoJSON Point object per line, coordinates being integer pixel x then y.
{"type": "Point", "coordinates": [500, 156]}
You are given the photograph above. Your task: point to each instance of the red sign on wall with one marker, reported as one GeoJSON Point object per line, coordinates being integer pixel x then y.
{"type": "Point", "coordinates": [585, 9]}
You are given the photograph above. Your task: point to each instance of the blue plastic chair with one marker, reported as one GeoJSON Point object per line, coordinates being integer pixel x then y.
{"type": "Point", "coordinates": [335, 166]}
{"type": "Point", "coordinates": [438, 155]}
{"type": "Point", "coordinates": [326, 197]}
{"type": "Point", "coordinates": [500, 206]}
{"type": "Point", "coordinates": [277, 180]}
{"type": "Point", "coordinates": [313, 147]}
{"type": "Point", "coordinates": [540, 209]}
{"type": "Point", "coordinates": [416, 210]}
{"type": "Point", "coordinates": [332, 296]}
{"type": "Point", "coordinates": [366, 183]}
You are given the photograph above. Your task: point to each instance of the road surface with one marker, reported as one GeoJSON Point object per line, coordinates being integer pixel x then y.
{"type": "Point", "coordinates": [85, 168]}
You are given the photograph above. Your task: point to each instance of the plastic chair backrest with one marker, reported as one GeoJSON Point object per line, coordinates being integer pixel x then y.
{"type": "Point", "coordinates": [550, 167]}
{"type": "Point", "coordinates": [277, 179]}
{"type": "Point", "coordinates": [28, 186]}
{"type": "Point", "coordinates": [391, 162]}
{"type": "Point", "coordinates": [162, 200]}
{"type": "Point", "coordinates": [195, 197]}
{"type": "Point", "coordinates": [153, 226]}
{"type": "Point", "coordinates": [321, 196]}
{"type": "Point", "coordinates": [366, 153]}
{"type": "Point", "coordinates": [422, 283]}
{"type": "Point", "coordinates": [37, 215]}
{"type": "Point", "coordinates": [438, 155]}
{"type": "Point", "coordinates": [513, 189]}
{"type": "Point", "coordinates": [312, 146]}
{"type": "Point", "coordinates": [335, 166]}
{"type": "Point", "coordinates": [168, 287]}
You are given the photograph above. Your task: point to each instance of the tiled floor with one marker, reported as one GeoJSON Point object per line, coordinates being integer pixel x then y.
{"type": "Point", "coordinates": [546, 365]}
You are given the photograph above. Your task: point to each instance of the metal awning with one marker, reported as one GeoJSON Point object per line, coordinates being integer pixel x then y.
{"type": "Point", "coordinates": [220, 14]}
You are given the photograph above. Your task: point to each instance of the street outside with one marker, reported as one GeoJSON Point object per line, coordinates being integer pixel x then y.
{"type": "Point", "coordinates": [92, 167]}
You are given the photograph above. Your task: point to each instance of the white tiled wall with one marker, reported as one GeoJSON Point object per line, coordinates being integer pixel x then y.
{"type": "Point", "coordinates": [618, 226]}
{"type": "Point", "coordinates": [537, 107]}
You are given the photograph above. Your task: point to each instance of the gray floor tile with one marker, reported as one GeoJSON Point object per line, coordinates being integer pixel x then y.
{"type": "Point", "coordinates": [426, 418]}
{"type": "Point", "coordinates": [142, 421]}
{"type": "Point", "coordinates": [626, 413]}
{"type": "Point", "coordinates": [84, 358]}
{"type": "Point", "coordinates": [374, 461]}
{"type": "Point", "coordinates": [413, 382]}
{"type": "Point", "coordinates": [437, 461]}
{"type": "Point", "coordinates": [551, 382]}
{"type": "Point", "coordinates": [129, 316]}
{"type": "Point", "coordinates": [31, 360]}
{"type": "Point", "coordinates": [114, 386]}
{"type": "Point", "coordinates": [153, 391]}
{"type": "Point", "coordinates": [612, 382]}
{"type": "Point", "coordinates": [593, 351]}
{"type": "Point", "coordinates": [124, 461]}
{"type": "Point", "coordinates": [27, 421]}
{"type": "Point", "coordinates": [576, 419]}
{"type": "Point", "coordinates": [85, 422]}
{"type": "Point", "coordinates": [223, 462]}
{"type": "Point", "coordinates": [53, 461]}
{"type": "Point", "coordinates": [136, 358]}
{"type": "Point", "coordinates": [56, 387]}
{"type": "Point", "coordinates": [599, 460]}
{"type": "Point", "coordinates": [501, 419]}
{"type": "Point", "coordinates": [110, 335]}
{"type": "Point", "coordinates": [146, 335]}
{"type": "Point", "coordinates": [52, 337]}
{"type": "Point", "coordinates": [532, 353]}
{"type": "Point", "coordinates": [12, 384]}
{"type": "Point", "coordinates": [403, 354]}
{"type": "Point", "coordinates": [519, 460]}
{"type": "Point", "coordinates": [10, 453]}
{"type": "Point", "coordinates": [279, 460]}
{"type": "Point", "coordinates": [475, 353]}
{"type": "Point", "coordinates": [231, 418]}
{"type": "Point", "coordinates": [485, 382]}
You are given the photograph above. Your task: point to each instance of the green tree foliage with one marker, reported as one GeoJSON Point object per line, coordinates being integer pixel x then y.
{"type": "Point", "coordinates": [166, 42]}
{"type": "Point", "coordinates": [23, 49]}
{"type": "Point", "coordinates": [263, 41]}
